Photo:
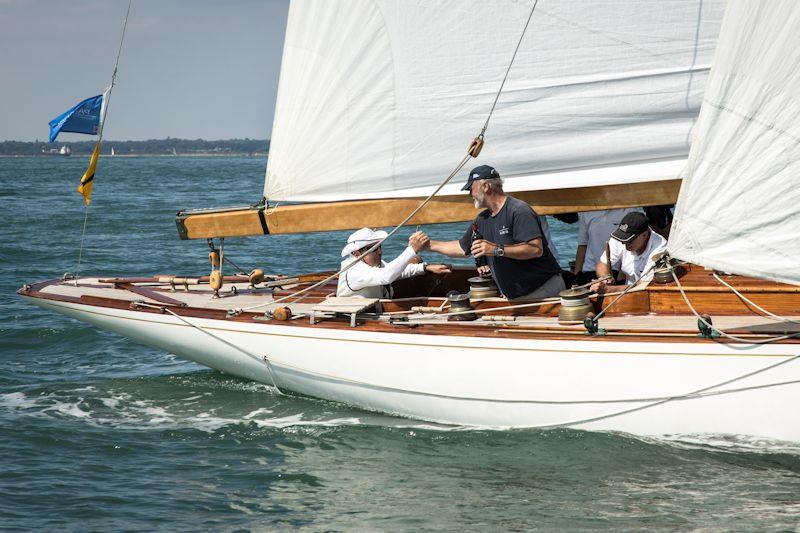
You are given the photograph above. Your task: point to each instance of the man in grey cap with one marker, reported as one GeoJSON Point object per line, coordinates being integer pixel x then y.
{"type": "Point", "coordinates": [513, 240]}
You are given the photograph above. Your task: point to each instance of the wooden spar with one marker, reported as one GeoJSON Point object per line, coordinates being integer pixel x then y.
{"type": "Point", "coordinates": [333, 216]}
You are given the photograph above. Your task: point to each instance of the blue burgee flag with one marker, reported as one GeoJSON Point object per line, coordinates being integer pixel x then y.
{"type": "Point", "coordinates": [83, 118]}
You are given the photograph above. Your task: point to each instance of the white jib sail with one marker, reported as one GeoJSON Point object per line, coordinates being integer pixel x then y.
{"type": "Point", "coordinates": [739, 205]}
{"type": "Point", "coordinates": [379, 98]}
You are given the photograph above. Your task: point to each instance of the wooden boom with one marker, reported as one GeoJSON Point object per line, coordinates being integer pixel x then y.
{"type": "Point", "coordinates": [333, 216]}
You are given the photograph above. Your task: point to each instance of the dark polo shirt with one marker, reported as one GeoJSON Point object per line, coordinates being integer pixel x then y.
{"type": "Point", "coordinates": [516, 222]}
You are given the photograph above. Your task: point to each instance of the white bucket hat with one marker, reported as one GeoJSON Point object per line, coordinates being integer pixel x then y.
{"type": "Point", "coordinates": [361, 238]}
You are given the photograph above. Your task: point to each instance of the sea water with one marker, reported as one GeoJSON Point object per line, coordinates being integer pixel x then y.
{"type": "Point", "coordinates": [100, 433]}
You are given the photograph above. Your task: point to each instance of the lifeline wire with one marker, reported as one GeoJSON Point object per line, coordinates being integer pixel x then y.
{"type": "Point", "coordinates": [697, 393]}
{"type": "Point", "coordinates": [428, 199]}
{"type": "Point", "coordinates": [106, 105]}
{"type": "Point", "coordinates": [204, 330]}
{"type": "Point", "coordinates": [686, 396]}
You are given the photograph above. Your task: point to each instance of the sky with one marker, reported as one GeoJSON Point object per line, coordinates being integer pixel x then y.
{"type": "Point", "coordinates": [191, 69]}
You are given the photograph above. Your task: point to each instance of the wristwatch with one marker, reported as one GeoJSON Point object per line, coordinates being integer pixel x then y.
{"type": "Point", "coordinates": [499, 250]}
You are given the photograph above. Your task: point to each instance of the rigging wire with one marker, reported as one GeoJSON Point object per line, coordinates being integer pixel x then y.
{"type": "Point", "coordinates": [694, 394]}
{"type": "Point", "coordinates": [234, 265]}
{"type": "Point", "coordinates": [697, 393]}
{"type": "Point", "coordinates": [513, 57]}
{"type": "Point", "coordinates": [371, 248]}
{"type": "Point", "coordinates": [106, 104]}
{"type": "Point", "coordinates": [265, 359]}
{"type": "Point", "coordinates": [623, 293]}
{"type": "Point", "coordinates": [424, 202]}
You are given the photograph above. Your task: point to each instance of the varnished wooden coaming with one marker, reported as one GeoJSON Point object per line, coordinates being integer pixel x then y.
{"type": "Point", "coordinates": [702, 289]}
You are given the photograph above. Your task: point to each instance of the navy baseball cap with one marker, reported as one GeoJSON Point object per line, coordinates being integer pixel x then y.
{"type": "Point", "coordinates": [483, 172]}
{"type": "Point", "coordinates": [631, 226]}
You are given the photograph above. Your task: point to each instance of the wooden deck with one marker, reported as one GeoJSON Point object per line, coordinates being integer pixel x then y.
{"type": "Point", "coordinates": [656, 311]}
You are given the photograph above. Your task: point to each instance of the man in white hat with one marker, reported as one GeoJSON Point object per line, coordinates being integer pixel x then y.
{"type": "Point", "coordinates": [371, 278]}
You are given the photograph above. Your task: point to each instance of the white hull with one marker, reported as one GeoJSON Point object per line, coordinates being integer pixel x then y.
{"type": "Point", "coordinates": [478, 381]}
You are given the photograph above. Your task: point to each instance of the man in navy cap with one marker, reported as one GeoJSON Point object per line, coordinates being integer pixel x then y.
{"type": "Point", "coordinates": [513, 240]}
{"type": "Point", "coordinates": [631, 247]}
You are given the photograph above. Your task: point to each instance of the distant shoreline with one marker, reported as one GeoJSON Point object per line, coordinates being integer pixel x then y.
{"type": "Point", "coordinates": [209, 154]}
{"type": "Point", "coordinates": [168, 147]}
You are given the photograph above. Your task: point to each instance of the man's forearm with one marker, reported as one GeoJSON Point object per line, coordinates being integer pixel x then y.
{"type": "Point", "coordinates": [523, 251]}
{"type": "Point", "coordinates": [448, 248]}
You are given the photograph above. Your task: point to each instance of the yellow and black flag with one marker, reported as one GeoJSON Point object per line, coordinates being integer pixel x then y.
{"type": "Point", "coordinates": [85, 187]}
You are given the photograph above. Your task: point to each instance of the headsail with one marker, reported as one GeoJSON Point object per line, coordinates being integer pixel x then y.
{"type": "Point", "coordinates": [738, 206]}
{"type": "Point", "coordinates": [378, 98]}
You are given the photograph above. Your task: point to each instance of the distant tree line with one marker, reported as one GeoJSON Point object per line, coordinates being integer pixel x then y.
{"type": "Point", "coordinates": [168, 146]}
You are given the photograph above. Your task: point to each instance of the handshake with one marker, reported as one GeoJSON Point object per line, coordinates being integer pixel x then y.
{"type": "Point", "coordinates": [419, 241]}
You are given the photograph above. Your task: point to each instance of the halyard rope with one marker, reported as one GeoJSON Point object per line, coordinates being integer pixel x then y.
{"type": "Point", "coordinates": [722, 333]}
{"type": "Point", "coordinates": [514, 56]}
{"type": "Point", "coordinates": [424, 202]}
{"type": "Point", "coordinates": [371, 248]}
{"type": "Point", "coordinates": [105, 107]}
{"type": "Point", "coordinates": [546, 301]}
{"type": "Point", "coordinates": [750, 302]}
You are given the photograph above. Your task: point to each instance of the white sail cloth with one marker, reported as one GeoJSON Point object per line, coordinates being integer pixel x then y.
{"type": "Point", "coordinates": [739, 205]}
{"type": "Point", "coordinates": [380, 98]}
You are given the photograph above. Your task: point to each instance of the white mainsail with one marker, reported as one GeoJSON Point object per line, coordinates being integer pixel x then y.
{"type": "Point", "coordinates": [378, 98]}
{"type": "Point", "coordinates": [739, 204]}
